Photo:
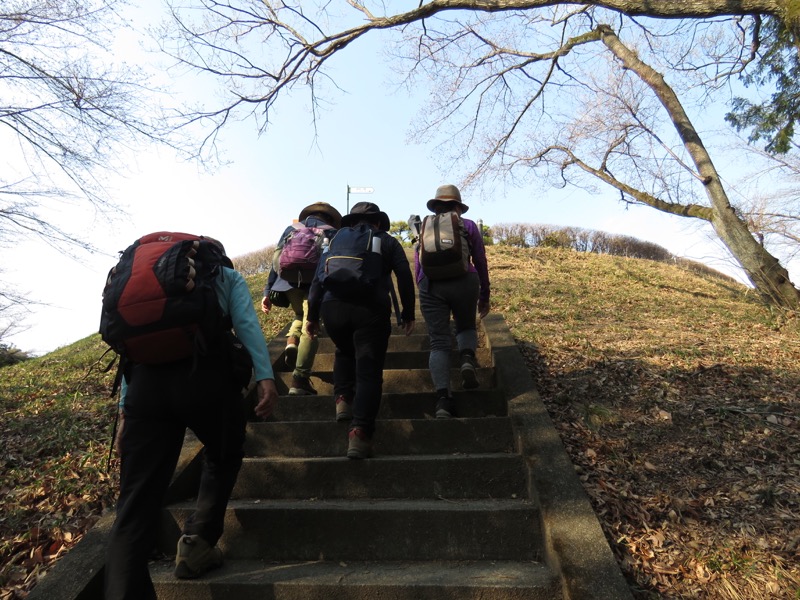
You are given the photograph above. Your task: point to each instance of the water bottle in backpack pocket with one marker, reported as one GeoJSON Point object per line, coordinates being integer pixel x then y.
{"type": "Point", "coordinates": [354, 262]}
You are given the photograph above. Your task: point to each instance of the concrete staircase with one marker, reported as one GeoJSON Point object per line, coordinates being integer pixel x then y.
{"type": "Point", "coordinates": [486, 506]}
{"type": "Point", "coordinates": [442, 511]}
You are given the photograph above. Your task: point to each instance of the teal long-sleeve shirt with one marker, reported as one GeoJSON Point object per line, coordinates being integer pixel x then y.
{"type": "Point", "coordinates": [235, 300]}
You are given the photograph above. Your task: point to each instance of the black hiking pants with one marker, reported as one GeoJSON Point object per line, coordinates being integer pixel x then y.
{"type": "Point", "coordinates": [160, 403]}
{"type": "Point", "coordinates": [361, 334]}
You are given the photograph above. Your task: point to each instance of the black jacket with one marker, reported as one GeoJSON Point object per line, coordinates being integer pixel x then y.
{"type": "Point", "coordinates": [394, 261]}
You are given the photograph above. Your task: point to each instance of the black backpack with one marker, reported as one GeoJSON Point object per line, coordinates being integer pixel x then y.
{"type": "Point", "coordinates": [353, 265]}
{"type": "Point", "coordinates": [160, 303]}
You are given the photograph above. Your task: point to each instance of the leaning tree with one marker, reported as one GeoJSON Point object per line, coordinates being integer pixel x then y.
{"type": "Point", "coordinates": [532, 89]}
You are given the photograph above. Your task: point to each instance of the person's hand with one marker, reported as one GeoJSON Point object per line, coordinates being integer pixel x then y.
{"type": "Point", "coordinates": [266, 304]}
{"type": "Point", "coordinates": [483, 308]}
{"type": "Point", "coordinates": [408, 326]}
{"type": "Point", "coordinates": [312, 329]}
{"type": "Point", "coordinates": [267, 397]}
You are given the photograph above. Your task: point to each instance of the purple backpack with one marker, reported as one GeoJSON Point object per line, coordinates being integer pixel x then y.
{"type": "Point", "coordinates": [300, 254]}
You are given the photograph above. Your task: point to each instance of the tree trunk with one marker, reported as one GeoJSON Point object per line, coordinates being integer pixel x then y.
{"type": "Point", "coordinates": [766, 274]}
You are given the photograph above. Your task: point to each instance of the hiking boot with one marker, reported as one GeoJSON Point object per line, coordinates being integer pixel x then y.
{"type": "Point", "coordinates": [344, 408]}
{"type": "Point", "coordinates": [290, 353]}
{"type": "Point", "coordinates": [195, 556]}
{"type": "Point", "coordinates": [469, 372]}
{"type": "Point", "coordinates": [445, 407]}
{"type": "Point", "coordinates": [359, 446]}
{"type": "Point", "coordinates": [301, 386]}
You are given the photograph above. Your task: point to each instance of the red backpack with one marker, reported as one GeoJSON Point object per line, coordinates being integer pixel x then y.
{"type": "Point", "coordinates": [160, 303]}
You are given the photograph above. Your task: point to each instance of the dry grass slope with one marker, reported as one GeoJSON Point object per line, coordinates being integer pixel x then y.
{"type": "Point", "coordinates": [676, 395]}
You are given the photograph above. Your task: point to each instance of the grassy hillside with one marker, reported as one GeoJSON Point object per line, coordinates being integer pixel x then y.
{"type": "Point", "coordinates": [676, 394]}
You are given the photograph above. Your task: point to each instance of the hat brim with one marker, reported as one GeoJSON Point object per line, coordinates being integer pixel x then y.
{"type": "Point", "coordinates": [325, 209]}
{"type": "Point", "coordinates": [434, 201]}
{"type": "Point", "coordinates": [350, 219]}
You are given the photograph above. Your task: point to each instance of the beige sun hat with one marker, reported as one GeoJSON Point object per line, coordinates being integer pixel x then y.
{"type": "Point", "coordinates": [447, 193]}
{"type": "Point", "coordinates": [325, 209]}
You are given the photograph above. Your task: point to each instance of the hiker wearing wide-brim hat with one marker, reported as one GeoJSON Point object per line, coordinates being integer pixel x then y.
{"type": "Point", "coordinates": [451, 295]}
{"type": "Point", "coordinates": [322, 209]}
{"type": "Point", "coordinates": [447, 197]}
{"type": "Point", "coordinates": [351, 294]}
{"type": "Point", "coordinates": [366, 211]}
{"type": "Point", "coordinates": [288, 284]}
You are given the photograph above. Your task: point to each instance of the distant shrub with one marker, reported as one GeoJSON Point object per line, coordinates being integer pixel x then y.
{"type": "Point", "coordinates": [557, 239]}
{"type": "Point", "coordinates": [401, 231]}
{"type": "Point", "coordinates": [526, 235]}
{"type": "Point", "coordinates": [700, 268]}
{"type": "Point", "coordinates": [253, 263]}
{"type": "Point", "coordinates": [9, 355]}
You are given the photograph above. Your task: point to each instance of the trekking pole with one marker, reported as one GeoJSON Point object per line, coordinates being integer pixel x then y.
{"type": "Point", "coordinates": [395, 303]}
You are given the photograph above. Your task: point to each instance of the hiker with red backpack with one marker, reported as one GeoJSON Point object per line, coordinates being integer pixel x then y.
{"type": "Point", "coordinates": [453, 279]}
{"type": "Point", "coordinates": [171, 306]}
{"type": "Point", "coordinates": [293, 269]}
{"type": "Point", "coordinates": [351, 293]}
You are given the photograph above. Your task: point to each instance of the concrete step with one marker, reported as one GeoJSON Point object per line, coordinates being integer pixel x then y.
{"type": "Point", "coordinates": [394, 360]}
{"type": "Point", "coordinates": [420, 326]}
{"type": "Point", "coordinates": [329, 580]}
{"type": "Point", "coordinates": [392, 437]}
{"type": "Point", "coordinates": [433, 476]}
{"type": "Point", "coordinates": [415, 342]}
{"type": "Point", "coordinates": [402, 405]}
{"type": "Point", "coordinates": [374, 529]}
{"type": "Point", "coordinates": [398, 342]}
{"type": "Point", "coordinates": [395, 381]}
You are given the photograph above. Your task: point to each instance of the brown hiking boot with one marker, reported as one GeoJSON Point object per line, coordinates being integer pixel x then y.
{"type": "Point", "coordinates": [344, 408]}
{"type": "Point", "coordinates": [359, 446]}
{"type": "Point", "coordinates": [290, 353]}
{"type": "Point", "coordinates": [301, 386]}
{"type": "Point", "coordinates": [195, 556]}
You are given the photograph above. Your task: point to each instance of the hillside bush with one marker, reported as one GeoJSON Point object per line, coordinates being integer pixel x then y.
{"type": "Point", "coordinates": [253, 263]}
{"type": "Point", "coordinates": [527, 235]}
{"type": "Point", "coordinates": [10, 355]}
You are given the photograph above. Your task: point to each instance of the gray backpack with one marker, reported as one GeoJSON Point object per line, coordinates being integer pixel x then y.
{"type": "Point", "coordinates": [443, 246]}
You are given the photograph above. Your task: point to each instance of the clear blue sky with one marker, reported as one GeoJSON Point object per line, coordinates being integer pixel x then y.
{"type": "Point", "coordinates": [361, 141]}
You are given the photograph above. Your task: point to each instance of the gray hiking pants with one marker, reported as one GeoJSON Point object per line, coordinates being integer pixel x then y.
{"type": "Point", "coordinates": [438, 300]}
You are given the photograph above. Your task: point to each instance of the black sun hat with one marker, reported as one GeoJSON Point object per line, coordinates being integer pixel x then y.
{"type": "Point", "coordinates": [366, 209]}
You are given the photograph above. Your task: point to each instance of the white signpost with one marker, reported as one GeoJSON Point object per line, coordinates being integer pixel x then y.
{"type": "Point", "coordinates": [357, 190]}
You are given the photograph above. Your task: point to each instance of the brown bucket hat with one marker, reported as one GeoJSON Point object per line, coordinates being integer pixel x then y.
{"type": "Point", "coordinates": [446, 194]}
{"type": "Point", "coordinates": [325, 209]}
{"type": "Point", "coordinates": [366, 209]}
